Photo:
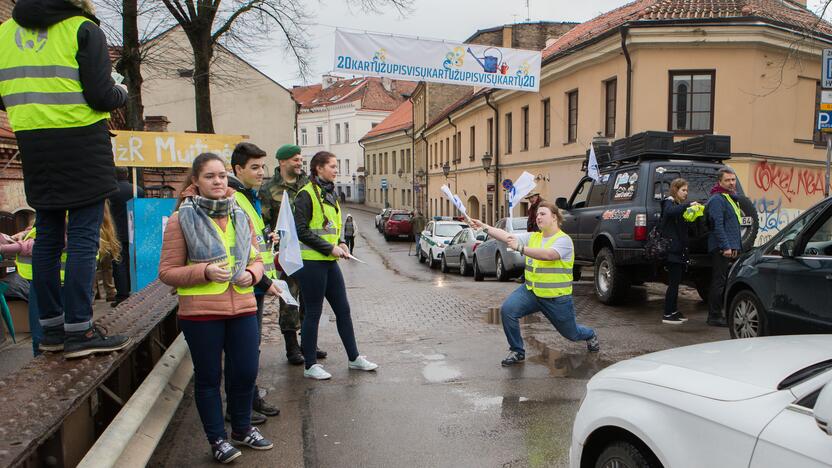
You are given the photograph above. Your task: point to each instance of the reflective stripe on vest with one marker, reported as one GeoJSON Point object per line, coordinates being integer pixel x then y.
{"type": "Point", "coordinates": [263, 246]}
{"type": "Point", "coordinates": [229, 239]}
{"type": "Point", "coordinates": [24, 263]}
{"type": "Point", "coordinates": [39, 77]}
{"type": "Point", "coordinates": [330, 233]}
{"type": "Point", "coordinates": [736, 208]}
{"type": "Point", "coordinates": [548, 278]}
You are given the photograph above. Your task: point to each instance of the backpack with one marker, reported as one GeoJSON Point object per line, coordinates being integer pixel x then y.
{"type": "Point", "coordinates": [656, 247]}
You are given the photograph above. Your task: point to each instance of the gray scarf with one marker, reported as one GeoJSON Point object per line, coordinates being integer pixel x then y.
{"type": "Point", "coordinates": [204, 242]}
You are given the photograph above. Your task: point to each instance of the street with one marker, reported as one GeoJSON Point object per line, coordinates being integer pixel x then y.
{"type": "Point", "coordinates": [440, 396]}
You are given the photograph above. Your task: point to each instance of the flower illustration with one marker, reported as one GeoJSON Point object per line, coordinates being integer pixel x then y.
{"type": "Point", "coordinates": [380, 56]}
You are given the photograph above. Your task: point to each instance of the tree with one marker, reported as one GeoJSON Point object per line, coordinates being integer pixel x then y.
{"type": "Point", "coordinates": [244, 25]}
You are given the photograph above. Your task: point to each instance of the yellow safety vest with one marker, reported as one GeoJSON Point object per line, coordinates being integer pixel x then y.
{"type": "Point", "coordinates": [736, 208]}
{"type": "Point", "coordinates": [330, 233]}
{"type": "Point", "coordinates": [40, 82]}
{"type": "Point", "coordinates": [692, 213]}
{"type": "Point", "coordinates": [24, 263]}
{"type": "Point", "coordinates": [263, 246]}
{"type": "Point", "coordinates": [548, 278]}
{"type": "Point", "coordinates": [229, 239]}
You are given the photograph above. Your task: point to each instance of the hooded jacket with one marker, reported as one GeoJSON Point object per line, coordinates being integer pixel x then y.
{"type": "Point", "coordinates": [71, 167]}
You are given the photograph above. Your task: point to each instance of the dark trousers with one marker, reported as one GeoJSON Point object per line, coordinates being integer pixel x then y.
{"type": "Point", "coordinates": [70, 306]}
{"type": "Point", "coordinates": [229, 366]}
{"type": "Point", "coordinates": [207, 340]}
{"type": "Point", "coordinates": [719, 276]}
{"type": "Point", "coordinates": [675, 271]}
{"type": "Point", "coordinates": [121, 273]}
{"type": "Point", "coordinates": [350, 240]}
{"type": "Point", "coordinates": [321, 279]}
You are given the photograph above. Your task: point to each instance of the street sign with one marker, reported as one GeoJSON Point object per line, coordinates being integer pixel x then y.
{"type": "Point", "coordinates": [491, 188]}
{"type": "Point", "coordinates": [826, 73]}
{"type": "Point", "coordinates": [384, 183]}
{"type": "Point", "coordinates": [825, 121]}
{"type": "Point", "coordinates": [507, 184]}
{"type": "Point", "coordinates": [826, 100]}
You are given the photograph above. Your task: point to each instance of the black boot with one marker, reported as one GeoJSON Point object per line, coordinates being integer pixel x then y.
{"type": "Point", "coordinates": [293, 354]}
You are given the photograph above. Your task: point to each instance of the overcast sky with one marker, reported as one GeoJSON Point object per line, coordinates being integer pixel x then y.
{"type": "Point", "coordinates": [454, 20]}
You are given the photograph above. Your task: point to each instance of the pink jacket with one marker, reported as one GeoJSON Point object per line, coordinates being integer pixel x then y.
{"type": "Point", "coordinates": [10, 247]}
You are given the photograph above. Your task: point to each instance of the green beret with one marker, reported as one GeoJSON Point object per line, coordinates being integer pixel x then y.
{"type": "Point", "coordinates": [287, 152]}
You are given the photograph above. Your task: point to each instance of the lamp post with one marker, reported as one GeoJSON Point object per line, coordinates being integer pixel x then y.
{"type": "Point", "coordinates": [446, 170]}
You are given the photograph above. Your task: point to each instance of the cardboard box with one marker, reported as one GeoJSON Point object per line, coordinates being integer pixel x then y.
{"type": "Point", "coordinates": [20, 315]}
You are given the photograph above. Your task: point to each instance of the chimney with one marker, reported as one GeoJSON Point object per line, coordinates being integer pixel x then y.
{"type": "Point", "coordinates": [387, 83]}
{"type": "Point", "coordinates": [156, 123]}
{"type": "Point", "coordinates": [328, 80]}
{"type": "Point", "coordinates": [507, 36]}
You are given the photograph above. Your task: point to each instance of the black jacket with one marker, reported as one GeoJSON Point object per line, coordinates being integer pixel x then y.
{"type": "Point", "coordinates": [118, 207]}
{"type": "Point", "coordinates": [235, 183]}
{"type": "Point", "coordinates": [675, 228]}
{"type": "Point", "coordinates": [71, 167]}
{"type": "Point", "coordinates": [303, 214]}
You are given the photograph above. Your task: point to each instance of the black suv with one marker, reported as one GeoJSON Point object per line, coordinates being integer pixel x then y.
{"type": "Point", "coordinates": [609, 220]}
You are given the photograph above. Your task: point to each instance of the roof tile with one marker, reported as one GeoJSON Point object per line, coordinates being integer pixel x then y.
{"type": "Point", "coordinates": [399, 119]}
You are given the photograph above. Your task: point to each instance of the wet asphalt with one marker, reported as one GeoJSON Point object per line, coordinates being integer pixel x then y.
{"type": "Point", "coordinates": [440, 397]}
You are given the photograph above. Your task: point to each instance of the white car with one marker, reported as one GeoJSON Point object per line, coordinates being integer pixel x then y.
{"type": "Point", "coordinates": [758, 402]}
{"type": "Point", "coordinates": [437, 234]}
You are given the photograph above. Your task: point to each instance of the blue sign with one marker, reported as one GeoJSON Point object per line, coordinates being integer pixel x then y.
{"type": "Point", "coordinates": [146, 219]}
{"type": "Point", "coordinates": [384, 184]}
{"type": "Point", "coordinates": [507, 184]}
{"type": "Point", "coordinates": [826, 74]}
{"type": "Point", "coordinates": [824, 120]}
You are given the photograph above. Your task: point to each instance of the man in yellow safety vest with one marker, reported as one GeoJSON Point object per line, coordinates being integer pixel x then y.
{"type": "Point", "coordinates": [724, 240]}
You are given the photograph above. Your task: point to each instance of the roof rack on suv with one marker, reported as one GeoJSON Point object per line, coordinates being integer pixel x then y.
{"type": "Point", "coordinates": [660, 145]}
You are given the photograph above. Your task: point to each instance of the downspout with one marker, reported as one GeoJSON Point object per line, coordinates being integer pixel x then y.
{"type": "Point", "coordinates": [496, 156]}
{"type": "Point", "coordinates": [412, 161]}
{"type": "Point", "coordinates": [427, 173]}
{"type": "Point", "coordinates": [456, 144]}
{"type": "Point", "coordinates": [364, 155]}
{"type": "Point", "coordinates": [624, 30]}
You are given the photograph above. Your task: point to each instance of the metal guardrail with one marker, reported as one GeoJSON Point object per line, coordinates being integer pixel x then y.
{"type": "Point", "coordinates": [52, 410]}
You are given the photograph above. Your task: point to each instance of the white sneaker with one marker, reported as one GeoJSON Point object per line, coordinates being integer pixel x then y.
{"type": "Point", "coordinates": [317, 372]}
{"type": "Point", "coordinates": [361, 363]}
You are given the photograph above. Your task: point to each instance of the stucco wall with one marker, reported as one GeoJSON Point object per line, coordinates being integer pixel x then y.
{"type": "Point", "coordinates": [374, 155]}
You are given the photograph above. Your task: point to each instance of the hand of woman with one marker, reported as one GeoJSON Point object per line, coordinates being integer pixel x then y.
{"type": "Point", "coordinates": [344, 247]}
{"type": "Point", "coordinates": [274, 290]}
{"type": "Point", "coordinates": [513, 243]}
{"type": "Point", "coordinates": [218, 272]}
{"type": "Point", "coordinates": [245, 280]}
{"type": "Point", "coordinates": [339, 252]}
{"type": "Point", "coordinates": [476, 224]}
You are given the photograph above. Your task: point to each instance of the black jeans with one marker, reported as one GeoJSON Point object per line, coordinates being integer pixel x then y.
{"type": "Point", "coordinates": [321, 279]}
{"type": "Point", "coordinates": [121, 273]}
{"type": "Point", "coordinates": [350, 240]}
{"type": "Point", "coordinates": [719, 276]}
{"type": "Point", "coordinates": [675, 271]}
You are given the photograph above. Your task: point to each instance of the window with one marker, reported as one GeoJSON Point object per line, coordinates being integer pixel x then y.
{"type": "Point", "coordinates": [339, 167]}
{"type": "Point", "coordinates": [820, 244]}
{"type": "Point", "coordinates": [581, 194]}
{"type": "Point", "coordinates": [408, 159]}
{"type": "Point", "coordinates": [508, 133]}
{"type": "Point", "coordinates": [625, 186]}
{"type": "Point", "coordinates": [346, 132]}
{"type": "Point", "coordinates": [319, 132]}
{"type": "Point", "coordinates": [394, 162]}
{"type": "Point", "coordinates": [303, 139]}
{"type": "Point", "coordinates": [458, 146]}
{"type": "Point", "coordinates": [691, 102]}
{"type": "Point", "coordinates": [349, 190]}
{"type": "Point", "coordinates": [448, 150]}
{"type": "Point", "coordinates": [472, 142]}
{"type": "Point", "coordinates": [572, 108]}
{"type": "Point", "coordinates": [598, 195]}
{"type": "Point", "coordinates": [610, 90]}
{"type": "Point", "coordinates": [347, 168]}
{"type": "Point", "coordinates": [337, 133]}
{"type": "Point", "coordinates": [386, 165]}
{"type": "Point", "coordinates": [401, 160]}
{"type": "Point", "coordinates": [525, 117]}
{"type": "Point", "coordinates": [489, 127]}
{"type": "Point", "coordinates": [374, 164]}
{"type": "Point", "coordinates": [441, 154]}
{"type": "Point", "coordinates": [373, 125]}
{"type": "Point", "coordinates": [456, 153]}
{"type": "Point", "coordinates": [547, 122]}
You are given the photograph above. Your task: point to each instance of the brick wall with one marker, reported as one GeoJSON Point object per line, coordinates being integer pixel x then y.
{"type": "Point", "coordinates": [524, 35]}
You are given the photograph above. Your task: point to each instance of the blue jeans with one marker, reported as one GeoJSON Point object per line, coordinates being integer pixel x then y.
{"type": "Point", "coordinates": [321, 279]}
{"type": "Point", "coordinates": [207, 340]}
{"type": "Point", "coordinates": [34, 320]}
{"type": "Point", "coordinates": [559, 310]}
{"type": "Point", "coordinates": [72, 305]}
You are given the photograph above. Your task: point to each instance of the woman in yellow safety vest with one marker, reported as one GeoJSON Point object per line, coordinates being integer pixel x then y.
{"type": "Point", "coordinates": [549, 261]}
{"type": "Point", "coordinates": [318, 222]}
{"type": "Point", "coordinates": [209, 254]}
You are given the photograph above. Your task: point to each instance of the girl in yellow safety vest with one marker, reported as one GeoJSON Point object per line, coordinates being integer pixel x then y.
{"type": "Point", "coordinates": [549, 258]}
{"type": "Point", "coordinates": [209, 254]}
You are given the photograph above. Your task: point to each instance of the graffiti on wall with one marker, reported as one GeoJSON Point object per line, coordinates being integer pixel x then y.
{"type": "Point", "coordinates": [773, 217]}
{"type": "Point", "coordinates": [788, 182]}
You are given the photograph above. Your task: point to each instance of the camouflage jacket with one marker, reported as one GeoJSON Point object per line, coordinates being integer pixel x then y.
{"type": "Point", "coordinates": [271, 193]}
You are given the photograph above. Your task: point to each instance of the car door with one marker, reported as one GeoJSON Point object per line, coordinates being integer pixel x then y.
{"type": "Point", "coordinates": [574, 209]}
{"type": "Point", "coordinates": [592, 215]}
{"type": "Point", "coordinates": [804, 282]}
{"type": "Point", "coordinates": [424, 242]}
{"type": "Point", "coordinates": [453, 248]}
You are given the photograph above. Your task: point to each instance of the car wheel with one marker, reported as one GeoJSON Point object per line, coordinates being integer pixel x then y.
{"type": "Point", "coordinates": [463, 266]}
{"type": "Point", "coordinates": [611, 286]}
{"type": "Point", "coordinates": [502, 274]}
{"type": "Point", "coordinates": [623, 454]}
{"type": "Point", "coordinates": [422, 258]}
{"type": "Point", "coordinates": [746, 316]}
{"type": "Point", "coordinates": [433, 263]}
{"type": "Point", "coordinates": [387, 238]}
{"type": "Point", "coordinates": [478, 276]}
{"type": "Point", "coordinates": [443, 265]}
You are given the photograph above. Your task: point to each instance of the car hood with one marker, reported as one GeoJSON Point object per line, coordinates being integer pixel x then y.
{"type": "Point", "coordinates": [725, 370]}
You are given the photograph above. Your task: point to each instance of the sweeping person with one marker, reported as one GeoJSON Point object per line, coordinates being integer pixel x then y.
{"type": "Point", "coordinates": [209, 254]}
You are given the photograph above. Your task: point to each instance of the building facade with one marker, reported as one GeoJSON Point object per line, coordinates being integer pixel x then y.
{"type": "Point", "coordinates": [388, 161]}
{"type": "Point", "coordinates": [335, 114]}
{"type": "Point", "coordinates": [748, 71]}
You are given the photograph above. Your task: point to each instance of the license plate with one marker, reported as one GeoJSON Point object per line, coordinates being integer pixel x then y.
{"type": "Point", "coordinates": [747, 221]}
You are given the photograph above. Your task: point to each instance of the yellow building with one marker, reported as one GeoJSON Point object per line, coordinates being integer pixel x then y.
{"type": "Point", "coordinates": [388, 161]}
{"type": "Point", "coordinates": [749, 70]}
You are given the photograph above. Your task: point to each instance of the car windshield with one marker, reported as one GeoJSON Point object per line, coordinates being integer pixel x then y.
{"type": "Point", "coordinates": [700, 180]}
{"type": "Point", "coordinates": [519, 224]}
{"type": "Point", "coordinates": [400, 217]}
{"type": "Point", "coordinates": [448, 230]}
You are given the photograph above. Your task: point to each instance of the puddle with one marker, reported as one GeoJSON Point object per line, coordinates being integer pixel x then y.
{"type": "Point", "coordinates": [574, 366]}
{"type": "Point", "coordinates": [440, 371]}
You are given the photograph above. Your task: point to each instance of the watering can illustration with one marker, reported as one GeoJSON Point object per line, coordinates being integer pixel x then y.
{"type": "Point", "coordinates": [489, 63]}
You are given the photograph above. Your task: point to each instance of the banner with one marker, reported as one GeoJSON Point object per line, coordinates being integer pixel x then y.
{"type": "Point", "coordinates": [406, 58]}
{"type": "Point", "coordinates": [169, 149]}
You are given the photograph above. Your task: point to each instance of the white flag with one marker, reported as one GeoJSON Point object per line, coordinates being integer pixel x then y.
{"type": "Point", "coordinates": [592, 166]}
{"type": "Point", "coordinates": [521, 187]}
{"type": "Point", "coordinates": [289, 256]}
{"type": "Point", "coordinates": [454, 199]}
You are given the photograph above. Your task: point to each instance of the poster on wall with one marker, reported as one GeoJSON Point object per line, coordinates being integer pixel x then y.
{"type": "Point", "coordinates": [169, 149]}
{"type": "Point", "coordinates": [414, 59]}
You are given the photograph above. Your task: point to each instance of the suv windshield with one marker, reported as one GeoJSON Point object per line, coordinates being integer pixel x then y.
{"type": "Point", "coordinates": [447, 230]}
{"type": "Point", "coordinates": [700, 181]}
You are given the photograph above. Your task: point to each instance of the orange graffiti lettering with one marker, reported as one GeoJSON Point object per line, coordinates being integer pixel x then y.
{"type": "Point", "coordinates": [790, 181]}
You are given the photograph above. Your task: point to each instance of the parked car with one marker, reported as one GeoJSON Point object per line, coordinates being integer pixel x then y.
{"type": "Point", "coordinates": [609, 219]}
{"type": "Point", "coordinates": [398, 225]}
{"type": "Point", "coordinates": [381, 217]}
{"type": "Point", "coordinates": [758, 402]}
{"type": "Point", "coordinates": [437, 234]}
{"type": "Point", "coordinates": [494, 257]}
{"type": "Point", "coordinates": [785, 285]}
{"type": "Point", "coordinates": [459, 253]}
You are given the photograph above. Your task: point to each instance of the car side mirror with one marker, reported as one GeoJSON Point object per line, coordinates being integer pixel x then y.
{"type": "Point", "coordinates": [823, 409]}
{"type": "Point", "coordinates": [787, 249]}
{"type": "Point", "coordinates": [562, 203]}
{"type": "Point", "coordinates": [425, 233]}
{"type": "Point", "coordinates": [481, 237]}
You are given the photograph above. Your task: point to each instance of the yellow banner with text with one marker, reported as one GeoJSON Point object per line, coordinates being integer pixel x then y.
{"type": "Point", "coordinates": [169, 149]}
